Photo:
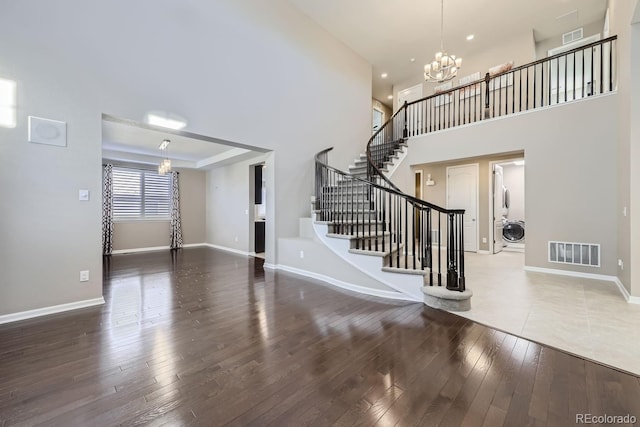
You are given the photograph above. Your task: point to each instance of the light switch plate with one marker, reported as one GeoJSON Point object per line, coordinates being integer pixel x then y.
{"type": "Point", "coordinates": [83, 195]}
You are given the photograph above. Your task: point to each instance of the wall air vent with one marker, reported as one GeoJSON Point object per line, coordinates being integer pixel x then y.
{"type": "Point", "coordinates": [587, 254]}
{"type": "Point", "coordinates": [572, 36]}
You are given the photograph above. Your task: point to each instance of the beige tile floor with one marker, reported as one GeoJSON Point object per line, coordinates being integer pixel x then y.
{"type": "Point", "coordinates": [587, 317]}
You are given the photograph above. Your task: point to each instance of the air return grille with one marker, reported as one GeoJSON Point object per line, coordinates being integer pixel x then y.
{"type": "Point", "coordinates": [572, 36]}
{"type": "Point", "coordinates": [587, 254]}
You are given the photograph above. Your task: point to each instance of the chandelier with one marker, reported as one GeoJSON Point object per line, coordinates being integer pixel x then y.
{"type": "Point", "coordinates": [165, 164]}
{"type": "Point", "coordinates": [445, 66]}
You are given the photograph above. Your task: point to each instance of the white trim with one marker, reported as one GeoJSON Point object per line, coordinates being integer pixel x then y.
{"type": "Point", "coordinates": [29, 314]}
{"type": "Point", "coordinates": [630, 299]}
{"type": "Point", "coordinates": [614, 279]}
{"type": "Point", "coordinates": [224, 248]}
{"type": "Point", "coordinates": [483, 252]}
{"type": "Point", "coordinates": [344, 285]}
{"type": "Point", "coordinates": [475, 166]}
{"type": "Point", "coordinates": [154, 248]}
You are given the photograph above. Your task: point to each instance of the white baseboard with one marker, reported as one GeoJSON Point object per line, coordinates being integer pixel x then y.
{"type": "Point", "coordinates": [29, 314]}
{"type": "Point", "coordinates": [630, 299]}
{"type": "Point", "coordinates": [340, 284]}
{"type": "Point", "coordinates": [614, 279]}
{"type": "Point", "coordinates": [136, 250]}
{"type": "Point", "coordinates": [483, 252]}
{"type": "Point", "coordinates": [154, 248]}
{"type": "Point", "coordinates": [224, 248]}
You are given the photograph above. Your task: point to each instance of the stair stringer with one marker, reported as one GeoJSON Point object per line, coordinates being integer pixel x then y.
{"type": "Point", "coordinates": [410, 285]}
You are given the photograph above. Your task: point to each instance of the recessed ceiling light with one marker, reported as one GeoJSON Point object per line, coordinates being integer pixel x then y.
{"type": "Point", "coordinates": [384, 75]}
{"type": "Point", "coordinates": [390, 97]}
{"type": "Point", "coordinates": [412, 60]}
{"type": "Point", "coordinates": [470, 37]}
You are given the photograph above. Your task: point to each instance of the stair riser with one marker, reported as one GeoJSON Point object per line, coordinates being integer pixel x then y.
{"type": "Point", "coordinates": [336, 216]}
{"type": "Point", "coordinates": [364, 227]}
{"type": "Point", "coordinates": [369, 243]}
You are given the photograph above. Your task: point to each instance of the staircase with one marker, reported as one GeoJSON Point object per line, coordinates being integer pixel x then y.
{"type": "Point", "coordinates": [411, 245]}
{"type": "Point", "coordinates": [390, 236]}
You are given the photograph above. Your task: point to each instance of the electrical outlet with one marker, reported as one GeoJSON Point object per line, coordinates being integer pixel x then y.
{"type": "Point", "coordinates": [84, 275]}
{"type": "Point", "coordinates": [83, 195]}
{"type": "Point", "coordinates": [624, 211]}
{"type": "Point", "coordinates": [621, 264]}
{"type": "Point", "coordinates": [484, 240]}
{"type": "Point", "coordinates": [301, 254]}
{"type": "Point", "coordinates": [236, 238]}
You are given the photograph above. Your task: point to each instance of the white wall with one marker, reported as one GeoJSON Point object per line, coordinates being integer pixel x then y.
{"type": "Point", "coordinates": [571, 168]}
{"type": "Point", "coordinates": [229, 203]}
{"type": "Point", "coordinates": [251, 72]}
{"type": "Point", "coordinates": [628, 188]}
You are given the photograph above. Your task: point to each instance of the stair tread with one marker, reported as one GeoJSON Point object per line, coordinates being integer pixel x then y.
{"type": "Point", "coordinates": [405, 270]}
{"type": "Point", "coordinates": [372, 252]}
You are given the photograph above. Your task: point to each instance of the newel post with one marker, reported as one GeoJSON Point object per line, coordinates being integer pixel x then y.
{"type": "Point", "coordinates": [487, 79]}
{"type": "Point", "coordinates": [405, 132]}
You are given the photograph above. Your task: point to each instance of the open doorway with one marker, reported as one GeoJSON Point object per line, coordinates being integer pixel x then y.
{"type": "Point", "coordinates": [211, 177]}
{"type": "Point", "coordinates": [257, 219]}
{"type": "Point", "coordinates": [507, 205]}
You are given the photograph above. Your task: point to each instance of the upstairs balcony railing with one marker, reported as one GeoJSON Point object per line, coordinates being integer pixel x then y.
{"type": "Point", "coordinates": [576, 74]}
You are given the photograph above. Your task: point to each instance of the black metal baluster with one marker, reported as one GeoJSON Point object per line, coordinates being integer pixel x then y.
{"type": "Point", "coordinates": [557, 80]}
{"type": "Point", "coordinates": [601, 89]}
{"type": "Point", "coordinates": [574, 77]}
{"type": "Point", "coordinates": [610, 66]}
{"type": "Point", "coordinates": [583, 73]}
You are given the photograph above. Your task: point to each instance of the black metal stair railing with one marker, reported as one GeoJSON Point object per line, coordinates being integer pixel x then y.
{"type": "Point", "coordinates": [410, 233]}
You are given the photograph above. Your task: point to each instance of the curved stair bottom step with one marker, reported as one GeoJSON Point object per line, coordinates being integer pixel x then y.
{"type": "Point", "coordinates": [444, 299]}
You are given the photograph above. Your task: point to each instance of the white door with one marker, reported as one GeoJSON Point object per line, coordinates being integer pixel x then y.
{"type": "Point", "coordinates": [498, 207]}
{"type": "Point", "coordinates": [462, 193]}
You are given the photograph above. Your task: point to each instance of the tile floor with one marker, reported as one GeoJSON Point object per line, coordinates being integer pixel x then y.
{"type": "Point", "coordinates": [586, 317]}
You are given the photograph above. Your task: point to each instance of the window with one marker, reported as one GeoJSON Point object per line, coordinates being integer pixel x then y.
{"type": "Point", "coordinates": [140, 194]}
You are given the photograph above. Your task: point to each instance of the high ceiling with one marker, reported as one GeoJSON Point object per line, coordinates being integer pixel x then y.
{"type": "Point", "coordinates": [389, 33]}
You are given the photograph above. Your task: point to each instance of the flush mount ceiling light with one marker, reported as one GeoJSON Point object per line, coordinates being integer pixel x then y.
{"type": "Point", "coordinates": [445, 66]}
{"type": "Point", "coordinates": [165, 164]}
{"type": "Point", "coordinates": [384, 75]}
{"type": "Point", "coordinates": [390, 97]}
{"type": "Point", "coordinates": [165, 120]}
{"type": "Point", "coordinates": [470, 37]}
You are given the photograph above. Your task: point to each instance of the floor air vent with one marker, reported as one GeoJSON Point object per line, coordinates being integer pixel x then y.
{"type": "Point", "coordinates": [587, 254]}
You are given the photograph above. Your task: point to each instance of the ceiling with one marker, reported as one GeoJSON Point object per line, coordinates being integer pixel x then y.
{"type": "Point", "coordinates": [128, 141]}
{"type": "Point", "coordinates": [389, 33]}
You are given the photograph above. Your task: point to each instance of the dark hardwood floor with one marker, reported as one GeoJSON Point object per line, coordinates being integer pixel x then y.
{"type": "Point", "coordinates": [203, 337]}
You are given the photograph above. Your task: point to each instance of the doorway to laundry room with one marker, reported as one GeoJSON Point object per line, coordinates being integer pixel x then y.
{"type": "Point", "coordinates": [508, 205]}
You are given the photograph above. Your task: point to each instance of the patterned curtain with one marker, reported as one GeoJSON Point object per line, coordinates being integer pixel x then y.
{"type": "Point", "coordinates": [176, 224]}
{"type": "Point", "coordinates": [107, 209]}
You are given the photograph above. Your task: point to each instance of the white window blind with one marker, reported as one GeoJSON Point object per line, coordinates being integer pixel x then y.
{"type": "Point", "coordinates": [140, 194]}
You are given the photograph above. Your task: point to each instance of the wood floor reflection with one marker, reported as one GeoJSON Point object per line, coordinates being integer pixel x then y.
{"type": "Point", "coordinates": [204, 337]}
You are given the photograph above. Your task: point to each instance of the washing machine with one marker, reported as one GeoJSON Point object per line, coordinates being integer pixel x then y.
{"type": "Point", "coordinates": [513, 231]}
